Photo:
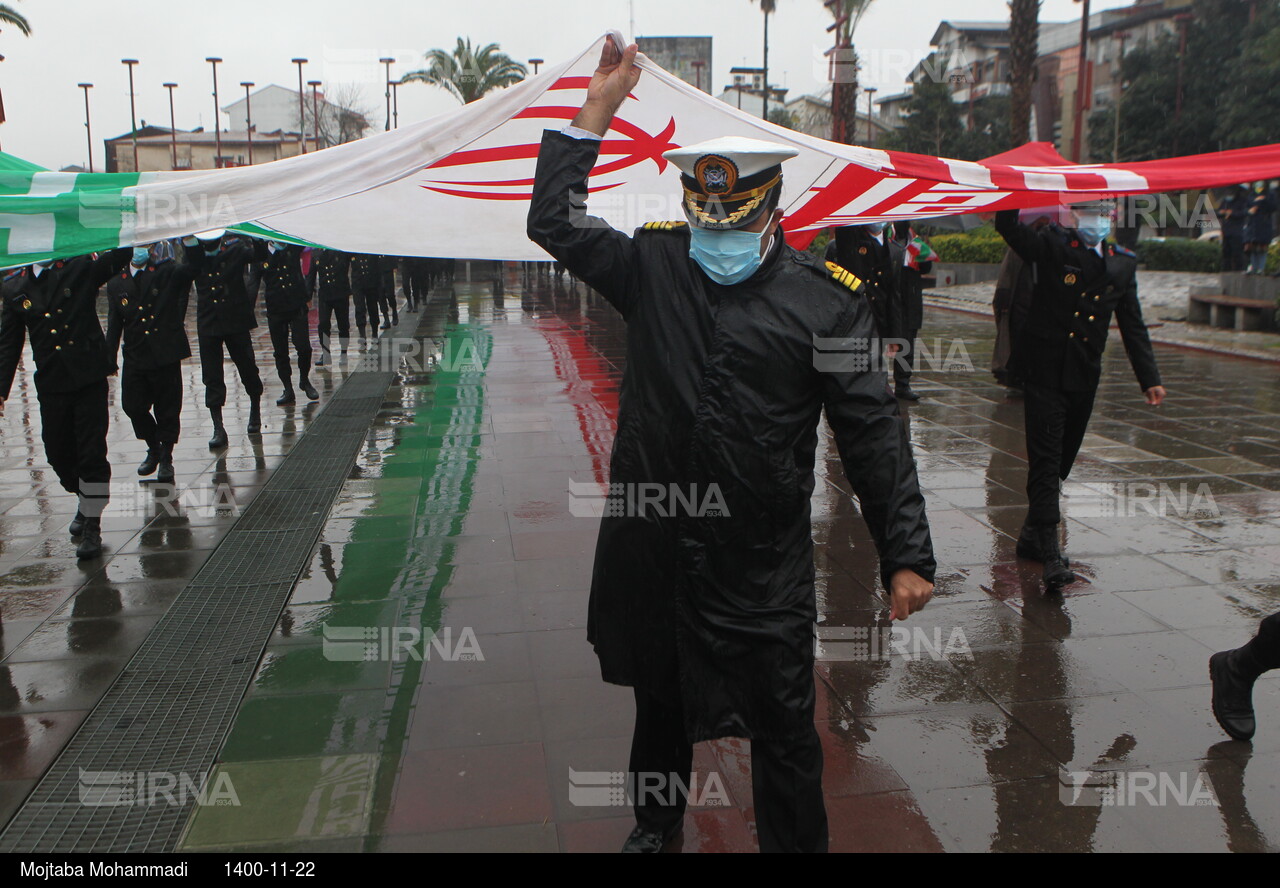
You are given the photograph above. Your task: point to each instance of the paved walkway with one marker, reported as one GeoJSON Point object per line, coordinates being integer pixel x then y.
{"type": "Point", "coordinates": [458, 524]}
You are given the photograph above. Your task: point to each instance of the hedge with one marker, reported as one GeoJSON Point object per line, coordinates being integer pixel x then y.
{"type": "Point", "coordinates": [976, 246]}
{"type": "Point", "coordinates": [1180, 254]}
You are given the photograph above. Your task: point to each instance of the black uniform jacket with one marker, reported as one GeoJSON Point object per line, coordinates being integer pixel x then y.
{"type": "Point", "coordinates": [366, 273]}
{"type": "Point", "coordinates": [285, 291]}
{"type": "Point", "coordinates": [720, 400]}
{"type": "Point", "coordinates": [223, 304]}
{"type": "Point", "coordinates": [148, 310]}
{"type": "Point", "coordinates": [1077, 291]}
{"type": "Point", "coordinates": [58, 310]}
{"type": "Point", "coordinates": [879, 267]}
{"type": "Point", "coordinates": [333, 275]}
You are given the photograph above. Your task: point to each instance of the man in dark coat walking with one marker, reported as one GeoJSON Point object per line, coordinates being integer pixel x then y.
{"type": "Point", "coordinates": [147, 305]}
{"type": "Point", "coordinates": [366, 291]}
{"type": "Point", "coordinates": [1081, 281]}
{"type": "Point", "coordinates": [225, 320]}
{"type": "Point", "coordinates": [332, 270]}
{"type": "Point", "coordinates": [708, 613]}
{"type": "Point", "coordinates": [288, 303]}
{"type": "Point", "coordinates": [55, 304]}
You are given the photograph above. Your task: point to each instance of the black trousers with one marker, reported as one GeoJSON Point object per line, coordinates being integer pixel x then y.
{"type": "Point", "coordinates": [283, 329]}
{"type": "Point", "coordinates": [1262, 654]}
{"type": "Point", "coordinates": [786, 778]}
{"type": "Point", "coordinates": [339, 310]}
{"type": "Point", "coordinates": [152, 399]}
{"type": "Point", "coordinates": [904, 363]}
{"type": "Point", "coordinates": [388, 295]}
{"type": "Point", "coordinates": [73, 426]}
{"type": "Point", "coordinates": [1055, 425]}
{"type": "Point", "coordinates": [240, 347]}
{"type": "Point", "coordinates": [368, 306]}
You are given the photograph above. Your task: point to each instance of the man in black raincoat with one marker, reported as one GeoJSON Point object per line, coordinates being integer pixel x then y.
{"type": "Point", "coordinates": [708, 614]}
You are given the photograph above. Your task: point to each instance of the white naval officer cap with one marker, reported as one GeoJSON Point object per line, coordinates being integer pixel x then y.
{"type": "Point", "coordinates": [727, 181]}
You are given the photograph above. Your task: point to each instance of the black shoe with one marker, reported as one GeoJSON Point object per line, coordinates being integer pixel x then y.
{"type": "Point", "coordinates": [91, 540]}
{"type": "Point", "coordinates": [1029, 547]}
{"type": "Point", "coordinates": [1232, 697]}
{"type": "Point", "coordinates": [219, 439]}
{"type": "Point", "coordinates": [77, 524]}
{"type": "Point", "coordinates": [255, 419]}
{"type": "Point", "coordinates": [1056, 572]}
{"type": "Point", "coordinates": [310, 391]}
{"type": "Point", "coordinates": [321, 358]}
{"type": "Point", "coordinates": [148, 465]}
{"type": "Point", "coordinates": [286, 399]}
{"type": "Point", "coordinates": [644, 841]}
{"type": "Point", "coordinates": [395, 318]}
{"type": "Point", "coordinates": [386, 325]}
{"type": "Point", "coordinates": [905, 393]}
{"type": "Point", "coordinates": [164, 474]}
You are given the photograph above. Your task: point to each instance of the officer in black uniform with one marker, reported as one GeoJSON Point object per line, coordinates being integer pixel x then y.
{"type": "Point", "coordinates": [332, 270]}
{"type": "Point", "coordinates": [911, 291]}
{"type": "Point", "coordinates": [876, 259]}
{"type": "Point", "coordinates": [709, 617]}
{"type": "Point", "coordinates": [224, 320]}
{"type": "Point", "coordinates": [55, 304]}
{"type": "Point", "coordinates": [287, 302]}
{"type": "Point", "coordinates": [147, 305]}
{"type": "Point", "coordinates": [1081, 281]}
{"type": "Point", "coordinates": [366, 290]}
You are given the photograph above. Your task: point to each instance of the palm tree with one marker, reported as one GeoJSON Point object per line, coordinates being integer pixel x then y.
{"type": "Point", "coordinates": [844, 86]}
{"type": "Point", "coordinates": [1024, 46]}
{"type": "Point", "coordinates": [467, 73]}
{"type": "Point", "coordinates": [768, 7]}
{"type": "Point", "coordinates": [11, 16]}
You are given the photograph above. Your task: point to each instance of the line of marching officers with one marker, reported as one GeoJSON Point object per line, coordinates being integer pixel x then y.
{"type": "Point", "coordinates": [148, 293]}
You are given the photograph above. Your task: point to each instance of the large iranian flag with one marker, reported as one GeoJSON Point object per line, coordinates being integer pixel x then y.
{"type": "Point", "coordinates": [458, 184]}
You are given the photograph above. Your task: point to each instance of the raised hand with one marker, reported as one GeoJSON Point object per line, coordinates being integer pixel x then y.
{"type": "Point", "coordinates": [613, 80]}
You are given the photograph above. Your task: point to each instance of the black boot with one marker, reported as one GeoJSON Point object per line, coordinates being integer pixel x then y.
{"type": "Point", "coordinates": [645, 841]}
{"type": "Point", "coordinates": [903, 391]}
{"type": "Point", "coordinates": [309, 390]}
{"type": "Point", "coordinates": [255, 418]}
{"type": "Point", "coordinates": [1056, 572]}
{"type": "Point", "coordinates": [1232, 696]}
{"type": "Point", "coordinates": [77, 524]}
{"type": "Point", "coordinates": [165, 473]}
{"type": "Point", "coordinates": [90, 540]}
{"type": "Point", "coordinates": [148, 465]}
{"type": "Point", "coordinates": [286, 399]}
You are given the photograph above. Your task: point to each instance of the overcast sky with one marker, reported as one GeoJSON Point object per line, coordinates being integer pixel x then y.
{"type": "Point", "coordinates": [84, 40]}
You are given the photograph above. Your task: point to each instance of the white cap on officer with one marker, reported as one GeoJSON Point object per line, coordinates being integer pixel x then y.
{"type": "Point", "coordinates": [727, 181]}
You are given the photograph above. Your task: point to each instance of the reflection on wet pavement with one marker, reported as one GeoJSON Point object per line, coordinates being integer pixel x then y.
{"type": "Point", "coordinates": [987, 722]}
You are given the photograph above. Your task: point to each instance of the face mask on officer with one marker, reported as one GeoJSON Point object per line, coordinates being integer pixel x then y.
{"type": "Point", "coordinates": [728, 257]}
{"type": "Point", "coordinates": [1093, 228]}
{"type": "Point", "coordinates": [876, 228]}
{"type": "Point", "coordinates": [141, 255]}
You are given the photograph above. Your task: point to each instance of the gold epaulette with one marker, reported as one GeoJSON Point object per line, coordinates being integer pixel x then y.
{"type": "Point", "coordinates": [843, 276]}
{"type": "Point", "coordinates": [665, 226]}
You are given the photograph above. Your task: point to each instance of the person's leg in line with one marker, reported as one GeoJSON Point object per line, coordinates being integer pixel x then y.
{"type": "Point", "coordinates": [342, 311]}
{"type": "Point", "coordinates": [786, 789]}
{"type": "Point", "coordinates": [1045, 417]}
{"type": "Point", "coordinates": [1234, 673]}
{"type": "Point", "coordinates": [279, 329]}
{"type": "Point", "coordinates": [215, 386]}
{"type": "Point", "coordinates": [240, 348]}
{"type": "Point", "coordinates": [91, 420]}
{"type": "Point", "coordinates": [137, 399]}
{"type": "Point", "coordinates": [167, 407]}
{"type": "Point", "coordinates": [56, 430]}
{"type": "Point", "coordinates": [323, 331]}
{"type": "Point", "coordinates": [661, 762]}
{"type": "Point", "coordinates": [300, 331]}
{"type": "Point", "coordinates": [1075, 424]}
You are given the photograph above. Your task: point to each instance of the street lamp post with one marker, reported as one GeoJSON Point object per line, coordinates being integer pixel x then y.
{"type": "Point", "coordinates": [1083, 63]}
{"type": "Point", "coordinates": [1122, 37]}
{"type": "Point", "coordinates": [395, 103]}
{"type": "Point", "coordinates": [315, 110]}
{"type": "Point", "coordinates": [88, 129]}
{"type": "Point", "coordinates": [173, 126]}
{"type": "Point", "coordinates": [870, 91]}
{"type": "Point", "coordinates": [302, 108]}
{"type": "Point", "coordinates": [1182, 20]}
{"type": "Point", "coordinates": [217, 128]}
{"type": "Point", "coordinates": [133, 114]}
{"type": "Point", "coordinates": [387, 62]}
{"type": "Point", "coordinates": [536, 63]}
{"type": "Point", "coordinates": [248, 116]}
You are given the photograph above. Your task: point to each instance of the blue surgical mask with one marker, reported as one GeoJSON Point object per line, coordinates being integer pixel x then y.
{"type": "Point", "coordinates": [728, 257]}
{"type": "Point", "coordinates": [141, 255]}
{"type": "Point", "coordinates": [1094, 229]}
{"type": "Point", "coordinates": [876, 228]}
